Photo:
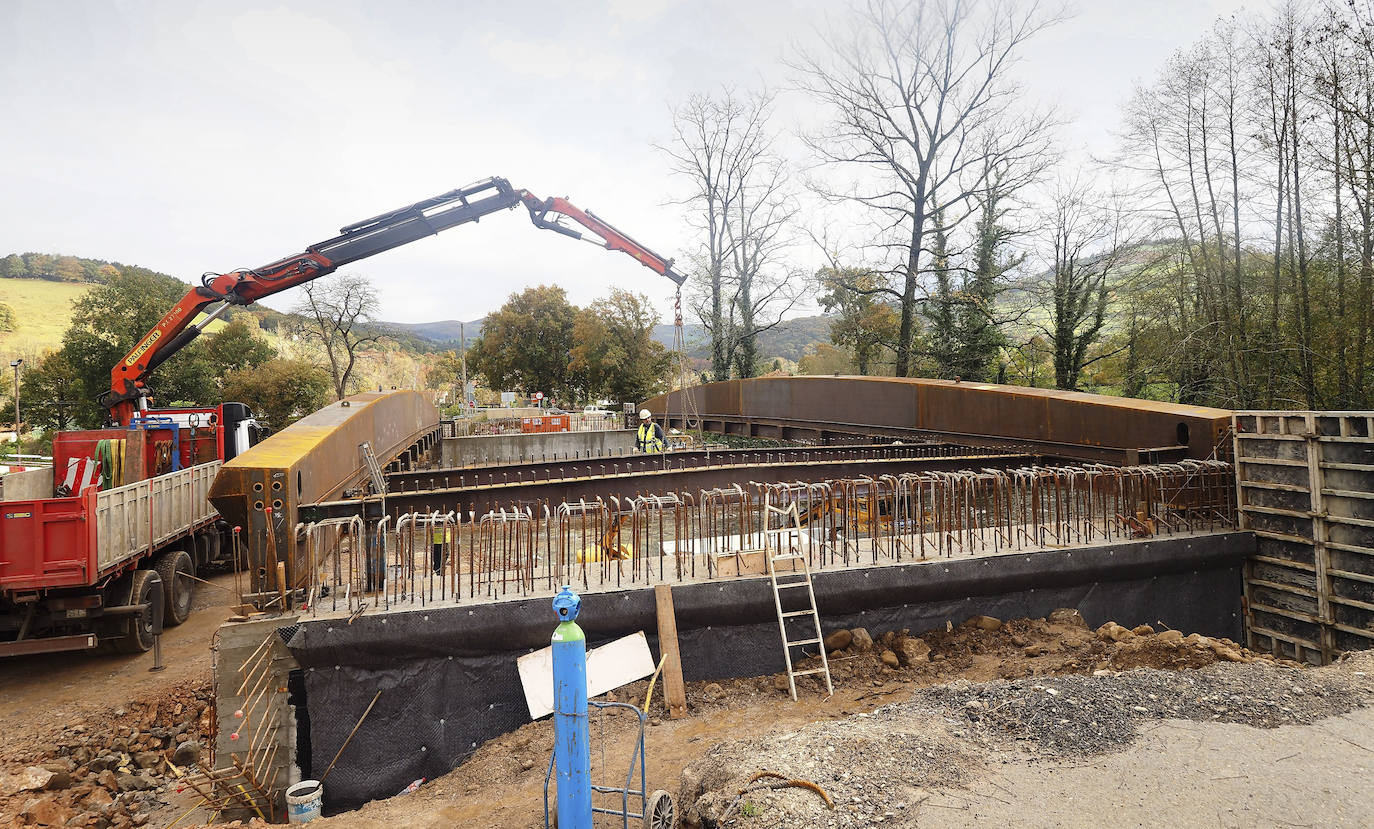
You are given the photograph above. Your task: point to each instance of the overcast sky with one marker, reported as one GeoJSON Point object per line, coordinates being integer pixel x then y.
{"type": "Point", "coordinates": [191, 136]}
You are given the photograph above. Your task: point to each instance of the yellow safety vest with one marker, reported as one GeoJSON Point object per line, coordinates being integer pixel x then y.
{"type": "Point", "coordinates": [649, 441]}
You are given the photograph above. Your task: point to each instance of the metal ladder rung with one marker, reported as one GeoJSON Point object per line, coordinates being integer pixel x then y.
{"type": "Point", "coordinates": [802, 575]}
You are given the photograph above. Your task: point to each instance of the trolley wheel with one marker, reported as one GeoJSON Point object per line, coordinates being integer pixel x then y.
{"type": "Point", "coordinates": [658, 811]}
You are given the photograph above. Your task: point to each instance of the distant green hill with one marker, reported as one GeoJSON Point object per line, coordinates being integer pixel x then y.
{"type": "Point", "coordinates": [42, 311]}
{"type": "Point", "coordinates": [789, 340]}
{"type": "Point", "coordinates": [42, 288]}
{"type": "Point", "coordinates": [57, 268]}
{"type": "Point", "coordinates": [443, 332]}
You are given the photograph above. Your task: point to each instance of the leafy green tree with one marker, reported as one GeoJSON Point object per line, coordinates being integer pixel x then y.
{"type": "Point", "coordinates": [51, 392]}
{"type": "Point", "coordinates": [237, 345]}
{"type": "Point", "coordinates": [527, 343]}
{"type": "Point", "coordinates": [614, 351]}
{"type": "Point", "coordinates": [980, 338]}
{"type": "Point", "coordinates": [863, 322]}
{"type": "Point", "coordinates": [824, 358]}
{"type": "Point", "coordinates": [445, 374]}
{"type": "Point", "coordinates": [109, 320]}
{"type": "Point", "coordinates": [446, 370]}
{"type": "Point", "coordinates": [12, 267]}
{"type": "Point", "coordinates": [279, 391]}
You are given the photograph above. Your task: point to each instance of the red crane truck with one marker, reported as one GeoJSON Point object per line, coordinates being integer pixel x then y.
{"type": "Point", "coordinates": [122, 514]}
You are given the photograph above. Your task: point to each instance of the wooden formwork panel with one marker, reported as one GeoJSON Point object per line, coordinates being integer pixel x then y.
{"type": "Point", "coordinates": [1306, 490]}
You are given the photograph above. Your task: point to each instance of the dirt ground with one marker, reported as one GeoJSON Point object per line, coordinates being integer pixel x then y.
{"type": "Point", "coordinates": [74, 713]}
{"type": "Point", "coordinates": [1181, 773]}
{"type": "Point", "coordinates": [502, 784]}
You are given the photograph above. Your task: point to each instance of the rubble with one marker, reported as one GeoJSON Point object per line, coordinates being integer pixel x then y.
{"type": "Point", "coordinates": [107, 771]}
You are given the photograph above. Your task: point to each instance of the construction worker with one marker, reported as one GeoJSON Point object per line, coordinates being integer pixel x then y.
{"type": "Point", "coordinates": [649, 438]}
{"type": "Point", "coordinates": [440, 535]}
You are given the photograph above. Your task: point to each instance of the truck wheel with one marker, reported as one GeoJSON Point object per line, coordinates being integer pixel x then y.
{"type": "Point", "coordinates": [177, 590]}
{"type": "Point", "coordinates": [138, 628]}
{"type": "Point", "coordinates": [200, 550]}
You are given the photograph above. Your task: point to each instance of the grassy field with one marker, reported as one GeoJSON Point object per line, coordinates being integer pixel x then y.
{"type": "Point", "coordinates": [44, 309]}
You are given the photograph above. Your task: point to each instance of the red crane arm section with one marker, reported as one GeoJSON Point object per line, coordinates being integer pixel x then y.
{"type": "Point", "coordinates": [177, 327]}
{"type": "Point", "coordinates": [612, 238]}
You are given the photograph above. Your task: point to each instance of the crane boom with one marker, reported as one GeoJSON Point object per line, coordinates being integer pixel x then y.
{"type": "Point", "coordinates": [218, 292]}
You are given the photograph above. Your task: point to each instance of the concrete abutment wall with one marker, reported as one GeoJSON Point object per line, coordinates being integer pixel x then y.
{"type": "Point", "coordinates": [448, 676]}
{"type": "Point", "coordinates": [478, 450]}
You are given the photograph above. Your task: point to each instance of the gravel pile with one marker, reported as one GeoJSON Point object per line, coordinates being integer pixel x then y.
{"type": "Point", "coordinates": [873, 767]}
{"type": "Point", "coordinates": [1071, 715]}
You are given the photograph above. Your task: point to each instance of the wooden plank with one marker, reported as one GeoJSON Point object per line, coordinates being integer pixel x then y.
{"type": "Point", "coordinates": [673, 689]}
{"type": "Point", "coordinates": [610, 666]}
{"type": "Point", "coordinates": [1320, 555]}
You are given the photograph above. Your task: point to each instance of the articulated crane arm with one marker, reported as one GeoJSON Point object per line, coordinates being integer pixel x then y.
{"type": "Point", "coordinates": [129, 392]}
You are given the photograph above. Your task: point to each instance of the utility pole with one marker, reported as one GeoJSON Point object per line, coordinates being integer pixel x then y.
{"type": "Point", "coordinates": [18, 441]}
{"type": "Point", "coordinates": [463, 355]}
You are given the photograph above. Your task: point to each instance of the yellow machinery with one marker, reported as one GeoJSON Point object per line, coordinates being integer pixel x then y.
{"type": "Point", "coordinates": [610, 548]}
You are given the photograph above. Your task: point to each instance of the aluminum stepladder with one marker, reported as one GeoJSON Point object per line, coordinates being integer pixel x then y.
{"type": "Point", "coordinates": [783, 545]}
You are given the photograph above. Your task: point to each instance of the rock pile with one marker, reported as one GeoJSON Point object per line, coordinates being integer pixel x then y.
{"type": "Point", "coordinates": [984, 648]}
{"type": "Point", "coordinates": [107, 772]}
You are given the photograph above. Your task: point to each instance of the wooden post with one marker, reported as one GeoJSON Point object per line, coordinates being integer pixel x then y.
{"type": "Point", "coordinates": [673, 689]}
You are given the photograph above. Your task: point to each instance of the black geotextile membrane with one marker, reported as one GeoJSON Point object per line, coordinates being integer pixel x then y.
{"type": "Point", "coordinates": [449, 681]}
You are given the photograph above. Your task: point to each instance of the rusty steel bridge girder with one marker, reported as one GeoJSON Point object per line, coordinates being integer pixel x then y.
{"type": "Point", "coordinates": [478, 492]}
{"type": "Point", "coordinates": [1069, 425]}
{"type": "Point", "coordinates": [317, 458]}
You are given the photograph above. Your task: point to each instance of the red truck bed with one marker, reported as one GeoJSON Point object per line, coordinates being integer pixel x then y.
{"type": "Point", "coordinates": [48, 542]}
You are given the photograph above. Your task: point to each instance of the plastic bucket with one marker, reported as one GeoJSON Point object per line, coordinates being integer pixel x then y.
{"type": "Point", "coordinates": [304, 800]}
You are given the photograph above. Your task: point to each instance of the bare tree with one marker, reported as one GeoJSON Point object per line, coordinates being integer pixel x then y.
{"type": "Point", "coordinates": [741, 208]}
{"type": "Point", "coordinates": [1087, 245]}
{"type": "Point", "coordinates": [923, 103]}
{"type": "Point", "coordinates": [339, 315]}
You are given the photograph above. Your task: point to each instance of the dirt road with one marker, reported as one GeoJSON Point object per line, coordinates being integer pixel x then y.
{"type": "Point", "coordinates": [1217, 775]}
{"type": "Point", "coordinates": [46, 691]}
{"type": "Point", "coordinates": [106, 728]}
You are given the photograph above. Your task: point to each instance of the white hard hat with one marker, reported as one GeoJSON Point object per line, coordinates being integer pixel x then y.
{"type": "Point", "coordinates": [645, 414]}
